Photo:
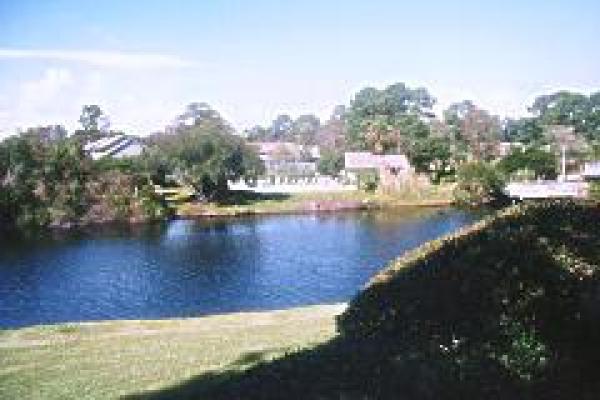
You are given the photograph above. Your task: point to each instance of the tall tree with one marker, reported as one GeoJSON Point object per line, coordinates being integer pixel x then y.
{"type": "Point", "coordinates": [205, 154]}
{"type": "Point", "coordinates": [475, 127]}
{"type": "Point", "coordinates": [570, 109]}
{"type": "Point", "coordinates": [331, 135]}
{"type": "Point", "coordinates": [93, 119]}
{"type": "Point", "coordinates": [281, 127]}
{"type": "Point", "coordinates": [304, 129]}
{"type": "Point", "coordinates": [389, 119]}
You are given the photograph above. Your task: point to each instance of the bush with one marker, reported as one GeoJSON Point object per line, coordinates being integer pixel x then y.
{"type": "Point", "coordinates": [368, 181]}
{"type": "Point", "coordinates": [331, 162]}
{"type": "Point", "coordinates": [594, 191]}
{"type": "Point", "coordinates": [478, 183]}
{"type": "Point", "coordinates": [516, 291]}
{"type": "Point", "coordinates": [542, 164]}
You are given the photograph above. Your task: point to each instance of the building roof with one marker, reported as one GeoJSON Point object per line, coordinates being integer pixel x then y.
{"type": "Point", "coordinates": [366, 160]}
{"type": "Point", "coordinates": [117, 146]}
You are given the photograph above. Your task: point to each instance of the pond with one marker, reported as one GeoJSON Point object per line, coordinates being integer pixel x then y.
{"type": "Point", "coordinates": [186, 268]}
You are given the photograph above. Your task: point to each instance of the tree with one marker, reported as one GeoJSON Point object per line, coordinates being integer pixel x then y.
{"type": "Point", "coordinates": [281, 127]}
{"type": "Point", "coordinates": [541, 163]}
{"type": "Point", "coordinates": [524, 130]}
{"type": "Point", "coordinates": [257, 133]}
{"type": "Point", "coordinates": [388, 120]}
{"type": "Point", "coordinates": [19, 173]}
{"type": "Point", "coordinates": [478, 183]}
{"type": "Point", "coordinates": [570, 109]}
{"type": "Point", "coordinates": [93, 119]}
{"type": "Point", "coordinates": [45, 135]}
{"type": "Point", "coordinates": [304, 129]}
{"type": "Point", "coordinates": [199, 113]}
{"type": "Point", "coordinates": [205, 155]}
{"type": "Point", "coordinates": [432, 156]}
{"type": "Point", "coordinates": [475, 127]}
{"type": "Point", "coordinates": [332, 134]}
{"type": "Point", "coordinates": [331, 162]}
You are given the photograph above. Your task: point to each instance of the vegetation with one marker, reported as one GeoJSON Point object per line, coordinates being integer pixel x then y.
{"type": "Point", "coordinates": [204, 154]}
{"type": "Point", "coordinates": [478, 183]}
{"type": "Point", "coordinates": [111, 359]}
{"type": "Point", "coordinates": [539, 163]}
{"type": "Point", "coordinates": [52, 182]}
{"type": "Point", "coordinates": [47, 179]}
{"type": "Point", "coordinates": [465, 316]}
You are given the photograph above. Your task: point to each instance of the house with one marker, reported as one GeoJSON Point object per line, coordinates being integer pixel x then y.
{"type": "Point", "coordinates": [118, 146]}
{"type": "Point", "coordinates": [392, 169]}
{"type": "Point", "coordinates": [287, 162]}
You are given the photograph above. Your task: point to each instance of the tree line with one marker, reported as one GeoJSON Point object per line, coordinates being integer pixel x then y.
{"type": "Point", "coordinates": [47, 178]}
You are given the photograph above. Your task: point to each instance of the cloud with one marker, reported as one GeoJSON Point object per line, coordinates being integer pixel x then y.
{"type": "Point", "coordinates": [100, 58]}
{"type": "Point", "coordinates": [44, 91]}
{"type": "Point", "coordinates": [39, 101]}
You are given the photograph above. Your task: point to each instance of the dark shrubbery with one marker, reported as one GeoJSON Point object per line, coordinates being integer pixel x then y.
{"type": "Point", "coordinates": [478, 183]}
{"type": "Point", "coordinates": [517, 292]}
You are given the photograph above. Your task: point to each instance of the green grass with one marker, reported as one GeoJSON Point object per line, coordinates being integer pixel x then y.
{"type": "Point", "coordinates": [110, 359]}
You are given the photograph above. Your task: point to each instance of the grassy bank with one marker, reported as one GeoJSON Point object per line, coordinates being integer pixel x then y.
{"type": "Point", "coordinates": [249, 203]}
{"type": "Point", "coordinates": [109, 359]}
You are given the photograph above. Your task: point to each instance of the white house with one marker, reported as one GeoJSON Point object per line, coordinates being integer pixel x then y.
{"type": "Point", "coordinates": [392, 169]}
{"type": "Point", "coordinates": [287, 162]}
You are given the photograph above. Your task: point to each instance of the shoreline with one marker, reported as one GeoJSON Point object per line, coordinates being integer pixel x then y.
{"type": "Point", "coordinates": [199, 210]}
{"type": "Point", "coordinates": [261, 316]}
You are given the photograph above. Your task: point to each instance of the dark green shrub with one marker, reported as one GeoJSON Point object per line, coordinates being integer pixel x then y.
{"type": "Point", "coordinates": [514, 291]}
{"type": "Point", "coordinates": [368, 181]}
{"type": "Point", "coordinates": [478, 183]}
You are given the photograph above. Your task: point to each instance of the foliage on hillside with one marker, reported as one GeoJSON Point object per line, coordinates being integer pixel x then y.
{"type": "Point", "coordinates": [517, 292]}
{"type": "Point", "coordinates": [504, 309]}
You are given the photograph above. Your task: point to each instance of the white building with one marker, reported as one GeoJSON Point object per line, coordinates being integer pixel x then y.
{"type": "Point", "coordinates": [287, 162]}
{"type": "Point", "coordinates": [393, 170]}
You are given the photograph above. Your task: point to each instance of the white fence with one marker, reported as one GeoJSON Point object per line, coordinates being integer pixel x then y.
{"type": "Point", "coordinates": [546, 189]}
{"type": "Point", "coordinates": [320, 184]}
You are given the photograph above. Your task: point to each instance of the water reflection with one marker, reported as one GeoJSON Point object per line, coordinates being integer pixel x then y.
{"type": "Point", "coordinates": [190, 268]}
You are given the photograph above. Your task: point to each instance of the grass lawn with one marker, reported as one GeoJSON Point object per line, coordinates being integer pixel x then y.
{"type": "Point", "coordinates": [106, 360]}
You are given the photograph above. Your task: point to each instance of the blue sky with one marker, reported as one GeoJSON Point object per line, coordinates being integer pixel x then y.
{"type": "Point", "coordinates": [142, 61]}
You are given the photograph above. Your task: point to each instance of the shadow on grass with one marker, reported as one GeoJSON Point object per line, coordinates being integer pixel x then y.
{"type": "Point", "coordinates": [498, 317]}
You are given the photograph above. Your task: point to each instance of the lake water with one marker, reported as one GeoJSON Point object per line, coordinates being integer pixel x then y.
{"type": "Point", "coordinates": [187, 268]}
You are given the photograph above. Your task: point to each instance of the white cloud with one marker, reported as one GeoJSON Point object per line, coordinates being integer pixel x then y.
{"type": "Point", "coordinates": [100, 58]}
{"type": "Point", "coordinates": [44, 91]}
{"type": "Point", "coordinates": [40, 101]}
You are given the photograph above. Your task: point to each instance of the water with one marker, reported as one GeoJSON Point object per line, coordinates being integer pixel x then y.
{"type": "Point", "coordinates": [187, 268]}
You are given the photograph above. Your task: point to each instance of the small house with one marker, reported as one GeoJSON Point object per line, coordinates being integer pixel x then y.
{"type": "Point", "coordinates": [287, 162]}
{"type": "Point", "coordinates": [392, 169]}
